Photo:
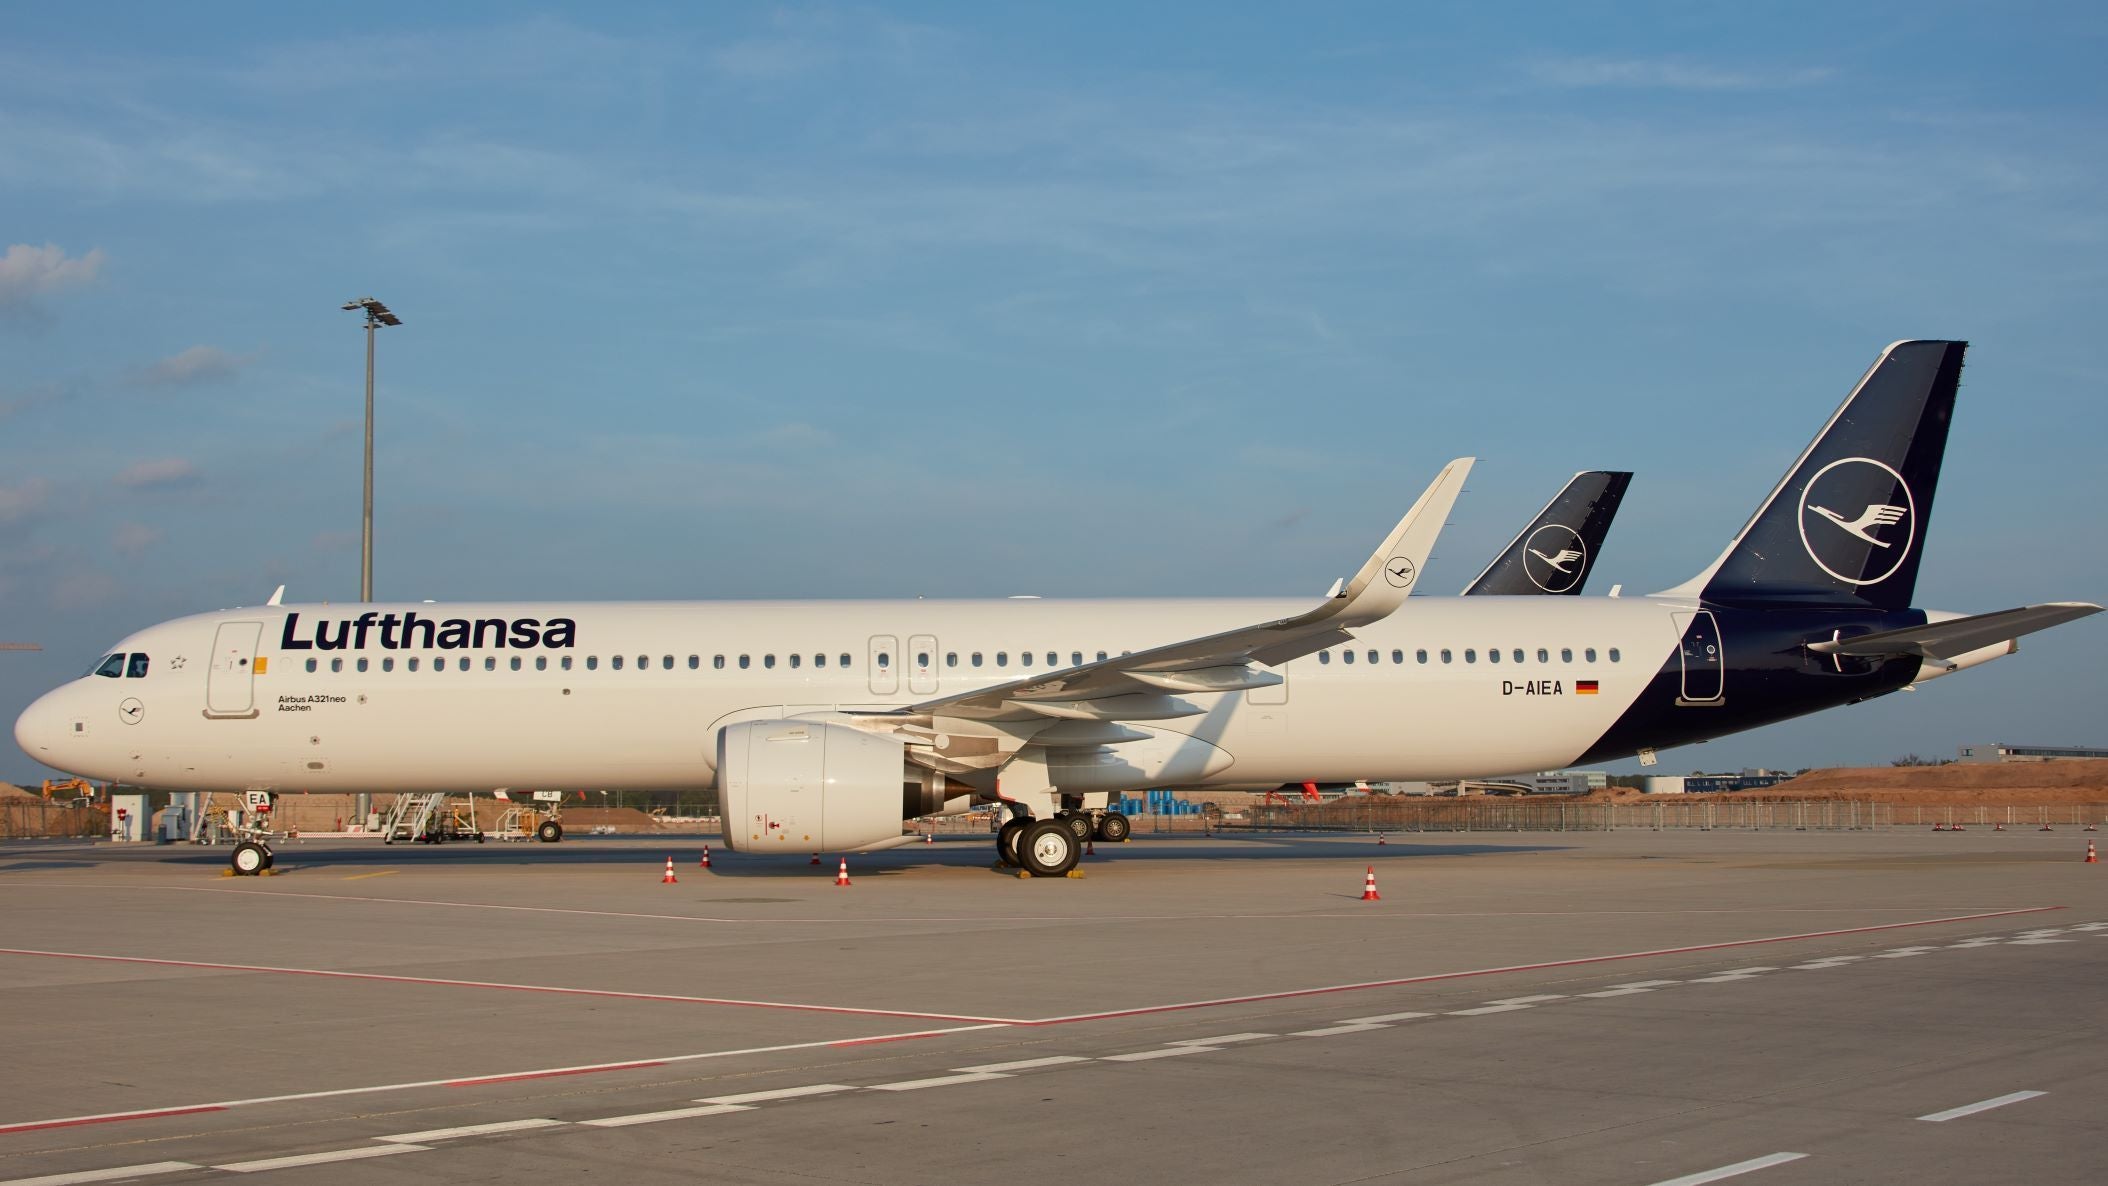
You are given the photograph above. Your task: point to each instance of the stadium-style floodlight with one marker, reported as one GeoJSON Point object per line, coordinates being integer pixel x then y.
{"type": "Point", "coordinates": [377, 315]}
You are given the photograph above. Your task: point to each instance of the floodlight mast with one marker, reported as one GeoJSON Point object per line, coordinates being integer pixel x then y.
{"type": "Point", "coordinates": [377, 315]}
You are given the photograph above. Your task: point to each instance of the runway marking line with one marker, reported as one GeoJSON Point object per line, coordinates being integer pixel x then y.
{"type": "Point", "coordinates": [781, 1093]}
{"type": "Point", "coordinates": [1336, 1030]}
{"type": "Point", "coordinates": [380, 873]}
{"type": "Point", "coordinates": [670, 1114]}
{"type": "Point", "coordinates": [1150, 1055]}
{"type": "Point", "coordinates": [109, 1175]}
{"type": "Point", "coordinates": [980, 1023]}
{"type": "Point", "coordinates": [361, 1153]}
{"type": "Point", "coordinates": [443, 982]}
{"type": "Point", "coordinates": [1222, 1040]}
{"type": "Point", "coordinates": [485, 1080]}
{"type": "Point", "coordinates": [937, 1081]}
{"type": "Point", "coordinates": [1733, 1171]}
{"type": "Point", "coordinates": [1027, 1064]}
{"type": "Point", "coordinates": [1383, 1018]}
{"type": "Point", "coordinates": [1982, 1106]}
{"type": "Point", "coordinates": [471, 1130]}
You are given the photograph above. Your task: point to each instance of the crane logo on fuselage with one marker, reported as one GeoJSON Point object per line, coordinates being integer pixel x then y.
{"type": "Point", "coordinates": [410, 632]}
{"type": "Point", "coordinates": [1855, 513]}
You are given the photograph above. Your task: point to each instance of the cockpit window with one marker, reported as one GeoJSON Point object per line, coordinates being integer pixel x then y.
{"type": "Point", "coordinates": [112, 667]}
{"type": "Point", "coordinates": [137, 668]}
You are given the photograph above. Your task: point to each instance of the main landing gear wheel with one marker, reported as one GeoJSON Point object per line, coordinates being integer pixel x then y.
{"type": "Point", "coordinates": [1078, 823]}
{"type": "Point", "coordinates": [250, 859]}
{"type": "Point", "coordinates": [1113, 827]}
{"type": "Point", "coordinates": [1006, 839]}
{"type": "Point", "coordinates": [1049, 848]}
{"type": "Point", "coordinates": [550, 832]}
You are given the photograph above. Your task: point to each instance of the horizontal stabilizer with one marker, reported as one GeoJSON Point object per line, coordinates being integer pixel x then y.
{"type": "Point", "coordinates": [1958, 636]}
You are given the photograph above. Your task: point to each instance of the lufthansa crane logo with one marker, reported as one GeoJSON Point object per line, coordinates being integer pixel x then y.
{"type": "Point", "coordinates": [1555, 558]}
{"type": "Point", "coordinates": [1400, 572]}
{"type": "Point", "coordinates": [1858, 520]}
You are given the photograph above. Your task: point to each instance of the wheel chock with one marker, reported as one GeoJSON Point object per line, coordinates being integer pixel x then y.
{"type": "Point", "coordinates": [1022, 874]}
{"type": "Point", "coordinates": [1074, 875]}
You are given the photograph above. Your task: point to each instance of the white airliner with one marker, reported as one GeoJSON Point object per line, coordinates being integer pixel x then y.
{"type": "Point", "coordinates": [825, 724]}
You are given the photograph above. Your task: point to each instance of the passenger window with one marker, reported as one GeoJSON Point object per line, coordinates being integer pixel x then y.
{"type": "Point", "coordinates": [388, 664]}
{"type": "Point", "coordinates": [1613, 654]}
{"type": "Point", "coordinates": [1589, 654]}
{"type": "Point", "coordinates": [1420, 656]}
{"type": "Point", "coordinates": [977, 658]}
{"type": "Point", "coordinates": [490, 662]}
{"type": "Point", "coordinates": [695, 662]}
{"type": "Point", "coordinates": [819, 660]}
{"type": "Point", "coordinates": [311, 664]}
{"type": "Point", "coordinates": [515, 663]}
{"type": "Point", "coordinates": [1566, 654]}
{"type": "Point", "coordinates": [885, 660]}
{"type": "Point", "coordinates": [845, 660]}
{"type": "Point", "coordinates": [409, 664]}
{"type": "Point", "coordinates": [796, 659]}
{"type": "Point", "coordinates": [464, 663]}
{"type": "Point", "coordinates": [745, 662]}
{"type": "Point", "coordinates": [1470, 655]}
{"type": "Point", "coordinates": [1075, 658]}
{"type": "Point", "coordinates": [541, 662]}
{"type": "Point", "coordinates": [1345, 655]}
{"type": "Point", "coordinates": [951, 658]}
{"type": "Point", "coordinates": [1002, 658]}
{"type": "Point", "coordinates": [336, 664]}
{"type": "Point", "coordinates": [362, 665]}
{"type": "Point", "coordinates": [665, 664]}
{"type": "Point", "coordinates": [1445, 654]}
{"type": "Point", "coordinates": [565, 662]}
{"type": "Point", "coordinates": [1399, 656]}
{"type": "Point", "coordinates": [136, 669]}
{"type": "Point", "coordinates": [112, 667]}
{"type": "Point", "coordinates": [1101, 656]}
{"type": "Point", "coordinates": [717, 662]}
{"type": "Point", "coordinates": [1518, 654]}
{"type": "Point", "coordinates": [593, 662]}
{"type": "Point", "coordinates": [922, 660]}
{"type": "Point", "coordinates": [1024, 658]}
{"type": "Point", "coordinates": [769, 661]}
{"type": "Point", "coordinates": [1373, 657]}
{"type": "Point", "coordinates": [1492, 655]}
{"type": "Point", "coordinates": [1324, 657]}
{"type": "Point", "coordinates": [1053, 660]}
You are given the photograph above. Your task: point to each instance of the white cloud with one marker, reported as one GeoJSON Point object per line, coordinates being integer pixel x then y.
{"type": "Point", "coordinates": [198, 364]}
{"type": "Point", "coordinates": [22, 500]}
{"type": "Point", "coordinates": [167, 471]}
{"type": "Point", "coordinates": [27, 271]}
{"type": "Point", "coordinates": [1665, 74]}
{"type": "Point", "coordinates": [133, 538]}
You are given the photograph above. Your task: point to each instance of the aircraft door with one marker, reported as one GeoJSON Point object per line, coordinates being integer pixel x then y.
{"type": "Point", "coordinates": [884, 658]}
{"type": "Point", "coordinates": [922, 664]}
{"type": "Point", "coordinates": [1704, 659]}
{"type": "Point", "coordinates": [230, 684]}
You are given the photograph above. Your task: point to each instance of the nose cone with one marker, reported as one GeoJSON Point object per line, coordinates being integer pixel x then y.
{"type": "Point", "coordinates": [39, 727]}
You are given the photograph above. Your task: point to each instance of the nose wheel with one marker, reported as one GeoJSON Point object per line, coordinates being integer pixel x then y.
{"type": "Point", "coordinates": [250, 859]}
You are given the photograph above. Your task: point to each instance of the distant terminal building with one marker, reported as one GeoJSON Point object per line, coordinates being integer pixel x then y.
{"type": "Point", "coordinates": [1706, 784]}
{"type": "Point", "coordinates": [2028, 753]}
{"type": "Point", "coordinates": [1545, 782]}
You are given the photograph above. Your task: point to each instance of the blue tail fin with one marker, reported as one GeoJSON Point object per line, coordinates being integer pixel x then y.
{"type": "Point", "coordinates": [1556, 552]}
{"type": "Point", "coordinates": [1847, 524]}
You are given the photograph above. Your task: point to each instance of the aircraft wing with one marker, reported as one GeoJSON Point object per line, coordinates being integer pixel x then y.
{"type": "Point", "coordinates": [1941, 641]}
{"type": "Point", "coordinates": [1144, 685]}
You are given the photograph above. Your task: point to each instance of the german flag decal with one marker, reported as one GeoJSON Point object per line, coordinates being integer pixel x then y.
{"type": "Point", "coordinates": [1584, 687]}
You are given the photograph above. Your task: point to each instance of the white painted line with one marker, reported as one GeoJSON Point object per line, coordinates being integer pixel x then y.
{"type": "Point", "coordinates": [940, 1081]}
{"type": "Point", "coordinates": [1731, 977]}
{"type": "Point", "coordinates": [1539, 999]}
{"type": "Point", "coordinates": [1982, 1106]}
{"type": "Point", "coordinates": [2040, 933]}
{"type": "Point", "coordinates": [2091, 926]}
{"type": "Point", "coordinates": [1224, 1040]}
{"type": "Point", "coordinates": [655, 1117]}
{"type": "Point", "coordinates": [109, 1175]}
{"type": "Point", "coordinates": [1383, 1018]}
{"type": "Point", "coordinates": [1329, 1031]}
{"type": "Point", "coordinates": [781, 1093]}
{"type": "Point", "coordinates": [1026, 1064]}
{"type": "Point", "coordinates": [2037, 942]}
{"type": "Point", "coordinates": [1981, 941]}
{"type": "Point", "coordinates": [1166, 1052]}
{"type": "Point", "coordinates": [1629, 988]}
{"type": "Point", "coordinates": [1733, 1171]}
{"type": "Point", "coordinates": [1484, 1011]}
{"type": "Point", "coordinates": [1903, 953]}
{"type": "Point", "coordinates": [283, 1163]}
{"type": "Point", "coordinates": [1831, 961]}
{"type": "Point", "coordinates": [472, 1130]}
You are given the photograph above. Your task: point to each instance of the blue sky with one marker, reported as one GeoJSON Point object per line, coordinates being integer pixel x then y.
{"type": "Point", "coordinates": [1094, 300]}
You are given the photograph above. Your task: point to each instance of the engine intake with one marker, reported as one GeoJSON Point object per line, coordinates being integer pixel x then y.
{"type": "Point", "coordinates": [798, 786]}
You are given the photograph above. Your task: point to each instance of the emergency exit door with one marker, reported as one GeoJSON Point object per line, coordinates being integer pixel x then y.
{"type": "Point", "coordinates": [922, 664]}
{"type": "Point", "coordinates": [230, 683]}
{"type": "Point", "coordinates": [1704, 659]}
{"type": "Point", "coordinates": [883, 657]}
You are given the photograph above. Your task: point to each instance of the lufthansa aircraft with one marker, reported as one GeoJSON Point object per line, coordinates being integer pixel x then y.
{"type": "Point", "coordinates": [1555, 552]}
{"type": "Point", "coordinates": [824, 725]}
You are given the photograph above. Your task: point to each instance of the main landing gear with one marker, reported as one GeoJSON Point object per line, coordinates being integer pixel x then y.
{"type": "Point", "coordinates": [1051, 847]}
{"type": "Point", "coordinates": [549, 832]}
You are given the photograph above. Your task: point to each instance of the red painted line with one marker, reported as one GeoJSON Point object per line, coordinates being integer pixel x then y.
{"type": "Point", "coordinates": [112, 1117]}
{"type": "Point", "coordinates": [1572, 963]}
{"type": "Point", "coordinates": [556, 990]}
{"type": "Point", "coordinates": [613, 1066]}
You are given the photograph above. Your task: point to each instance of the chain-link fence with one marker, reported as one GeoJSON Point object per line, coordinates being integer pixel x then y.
{"type": "Point", "coordinates": [1389, 814]}
{"type": "Point", "coordinates": [41, 819]}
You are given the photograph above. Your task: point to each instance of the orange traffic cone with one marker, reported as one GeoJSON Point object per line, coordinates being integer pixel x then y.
{"type": "Point", "coordinates": [841, 874]}
{"type": "Point", "coordinates": [815, 859]}
{"type": "Point", "coordinates": [929, 838]}
{"type": "Point", "coordinates": [1090, 847]}
{"type": "Point", "coordinates": [1380, 839]}
{"type": "Point", "coordinates": [669, 879]}
{"type": "Point", "coordinates": [705, 863]}
{"type": "Point", "coordinates": [1998, 827]}
{"type": "Point", "coordinates": [1368, 887]}
{"type": "Point", "coordinates": [2092, 857]}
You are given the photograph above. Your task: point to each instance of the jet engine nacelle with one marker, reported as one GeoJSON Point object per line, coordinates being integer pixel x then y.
{"type": "Point", "coordinates": [808, 786]}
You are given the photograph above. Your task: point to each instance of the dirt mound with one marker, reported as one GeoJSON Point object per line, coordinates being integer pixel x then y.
{"type": "Point", "coordinates": [9, 790]}
{"type": "Point", "coordinates": [2017, 783]}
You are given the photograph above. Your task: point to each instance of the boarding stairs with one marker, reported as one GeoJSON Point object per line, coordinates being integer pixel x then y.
{"type": "Point", "coordinates": [412, 817]}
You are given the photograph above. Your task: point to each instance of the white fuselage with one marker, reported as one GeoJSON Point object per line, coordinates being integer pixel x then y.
{"type": "Point", "coordinates": [637, 698]}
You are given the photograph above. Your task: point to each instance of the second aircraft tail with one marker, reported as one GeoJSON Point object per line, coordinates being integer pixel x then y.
{"type": "Point", "coordinates": [1556, 551]}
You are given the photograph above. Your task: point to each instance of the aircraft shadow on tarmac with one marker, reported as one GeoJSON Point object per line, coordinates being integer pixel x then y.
{"type": "Point", "coordinates": [955, 853]}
